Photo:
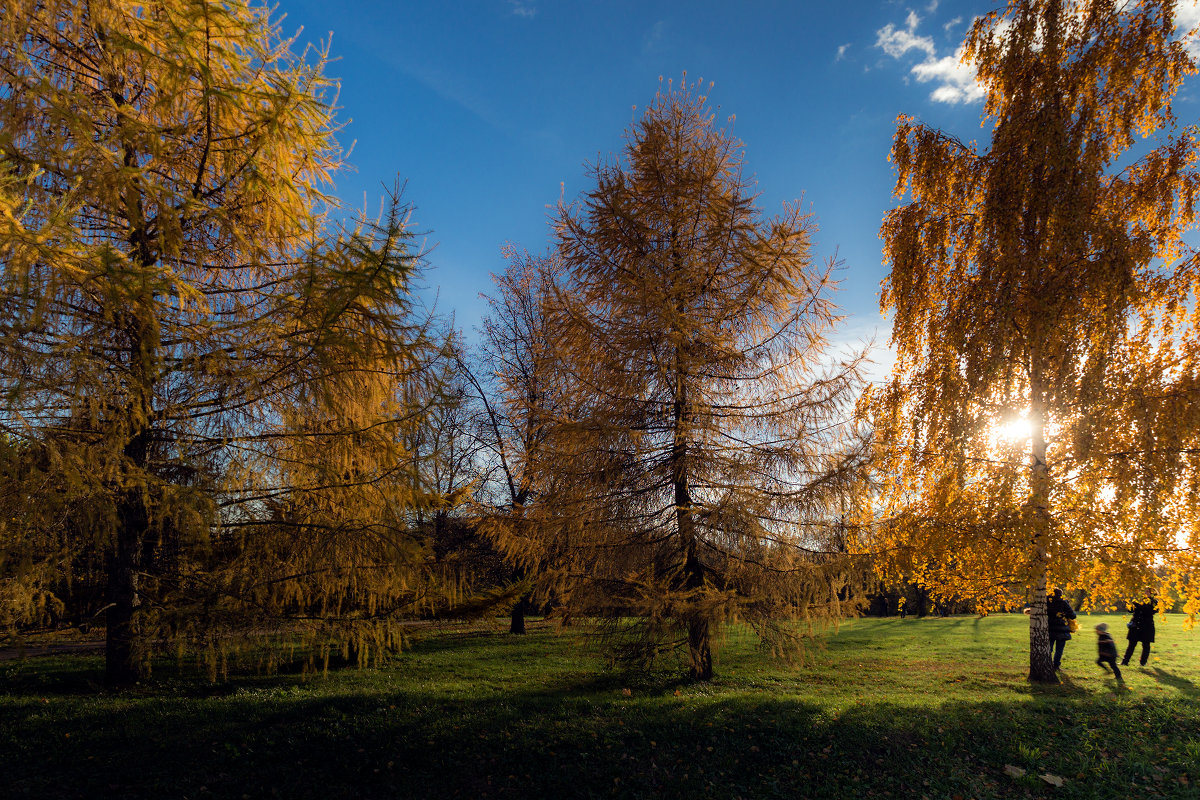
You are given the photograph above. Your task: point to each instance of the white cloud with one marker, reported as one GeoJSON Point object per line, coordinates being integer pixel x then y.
{"type": "Point", "coordinates": [896, 42]}
{"type": "Point", "coordinates": [521, 8]}
{"type": "Point", "coordinates": [1187, 18]}
{"type": "Point", "coordinates": [841, 53]}
{"type": "Point", "coordinates": [956, 81]}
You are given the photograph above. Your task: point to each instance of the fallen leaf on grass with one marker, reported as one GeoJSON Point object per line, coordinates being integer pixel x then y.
{"type": "Point", "coordinates": [1013, 772]}
{"type": "Point", "coordinates": [1053, 780]}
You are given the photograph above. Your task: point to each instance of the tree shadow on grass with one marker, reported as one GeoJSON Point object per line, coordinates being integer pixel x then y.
{"type": "Point", "coordinates": [1066, 688]}
{"type": "Point", "coordinates": [573, 740]}
{"type": "Point", "coordinates": [1182, 685]}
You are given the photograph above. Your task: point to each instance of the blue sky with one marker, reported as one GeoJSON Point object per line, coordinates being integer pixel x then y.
{"type": "Point", "coordinates": [489, 109]}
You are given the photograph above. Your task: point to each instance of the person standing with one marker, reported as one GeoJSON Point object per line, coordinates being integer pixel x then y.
{"type": "Point", "coordinates": [1060, 614]}
{"type": "Point", "coordinates": [1141, 629]}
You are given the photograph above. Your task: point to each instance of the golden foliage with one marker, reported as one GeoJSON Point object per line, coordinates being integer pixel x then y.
{"type": "Point", "coordinates": [703, 452]}
{"type": "Point", "coordinates": [185, 331]}
{"type": "Point", "coordinates": [1044, 277]}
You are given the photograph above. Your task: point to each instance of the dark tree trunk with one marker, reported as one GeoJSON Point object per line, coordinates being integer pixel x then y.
{"type": "Point", "coordinates": [700, 651]}
{"type": "Point", "coordinates": [698, 624]}
{"type": "Point", "coordinates": [122, 662]}
{"type": "Point", "coordinates": [517, 622]}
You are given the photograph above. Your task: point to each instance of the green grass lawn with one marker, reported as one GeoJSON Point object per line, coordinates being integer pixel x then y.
{"type": "Point", "coordinates": [886, 708]}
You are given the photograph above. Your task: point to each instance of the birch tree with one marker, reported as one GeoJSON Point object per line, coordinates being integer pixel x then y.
{"type": "Point", "coordinates": [709, 447]}
{"type": "Point", "coordinates": [184, 333]}
{"type": "Point", "coordinates": [1033, 286]}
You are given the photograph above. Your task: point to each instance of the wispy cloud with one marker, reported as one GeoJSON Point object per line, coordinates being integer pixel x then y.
{"type": "Point", "coordinates": [523, 8]}
{"type": "Point", "coordinates": [841, 51]}
{"type": "Point", "coordinates": [654, 37]}
{"type": "Point", "coordinates": [1187, 18]}
{"type": "Point", "coordinates": [955, 80]}
{"type": "Point", "coordinates": [898, 41]}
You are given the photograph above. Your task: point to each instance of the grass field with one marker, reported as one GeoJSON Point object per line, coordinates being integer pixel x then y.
{"type": "Point", "coordinates": [938, 708]}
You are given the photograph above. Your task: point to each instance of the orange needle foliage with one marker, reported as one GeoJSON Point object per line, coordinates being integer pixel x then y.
{"type": "Point", "coordinates": [204, 373]}
{"type": "Point", "coordinates": [709, 449]}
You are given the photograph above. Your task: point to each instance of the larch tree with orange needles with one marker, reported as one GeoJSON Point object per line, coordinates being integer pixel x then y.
{"type": "Point", "coordinates": [1041, 278]}
{"type": "Point", "coordinates": [711, 448]}
{"type": "Point", "coordinates": [207, 366]}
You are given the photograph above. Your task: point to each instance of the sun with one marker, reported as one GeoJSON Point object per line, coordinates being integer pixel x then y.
{"type": "Point", "coordinates": [1012, 431]}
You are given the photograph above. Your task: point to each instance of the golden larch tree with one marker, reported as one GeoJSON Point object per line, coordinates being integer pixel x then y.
{"type": "Point", "coordinates": [709, 450]}
{"type": "Point", "coordinates": [185, 339]}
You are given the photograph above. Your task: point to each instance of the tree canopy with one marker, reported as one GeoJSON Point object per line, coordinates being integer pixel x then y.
{"type": "Point", "coordinates": [188, 344]}
{"type": "Point", "coordinates": [1045, 279]}
{"type": "Point", "coordinates": [709, 450]}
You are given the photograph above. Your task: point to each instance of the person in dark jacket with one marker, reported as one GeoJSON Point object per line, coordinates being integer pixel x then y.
{"type": "Point", "coordinates": [1059, 611]}
{"type": "Point", "coordinates": [1108, 650]}
{"type": "Point", "coordinates": [1141, 629]}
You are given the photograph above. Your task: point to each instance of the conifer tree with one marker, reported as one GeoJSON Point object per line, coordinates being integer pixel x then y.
{"type": "Point", "coordinates": [1042, 279]}
{"type": "Point", "coordinates": [708, 453]}
{"type": "Point", "coordinates": [191, 343]}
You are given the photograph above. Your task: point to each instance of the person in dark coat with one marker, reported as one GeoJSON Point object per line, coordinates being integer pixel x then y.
{"type": "Point", "coordinates": [1141, 629]}
{"type": "Point", "coordinates": [1108, 650]}
{"type": "Point", "coordinates": [1058, 611]}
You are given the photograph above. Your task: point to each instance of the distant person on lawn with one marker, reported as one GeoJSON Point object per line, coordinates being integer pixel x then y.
{"type": "Point", "coordinates": [1059, 612]}
{"type": "Point", "coordinates": [1108, 650]}
{"type": "Point", "coordinates": [1141, 629]}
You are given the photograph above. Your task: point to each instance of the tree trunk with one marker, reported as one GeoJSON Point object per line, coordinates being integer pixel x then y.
{"type": "Point", "coordinates": [698, 624]}
{"type": "Point", "coordinates": [1041, 664]}
{"type": "Point", "coordinates": [132, 550]}
{"type": "Point", "coordinates": [517, 621]}
{"type": "Point", "coordinates": [122, 661]}
{"type": "Point", "coordinates": [700, 650]}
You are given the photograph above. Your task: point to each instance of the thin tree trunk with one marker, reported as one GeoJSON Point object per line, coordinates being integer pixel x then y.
{"type": "Point", "coordinates": [700, 650]}
{"type": "Point", "coordinates": [698, 624]}
{"type": "Point", "coordinates": [1041, 665]}
{"type": "Point", "coordinates": [516, 623]}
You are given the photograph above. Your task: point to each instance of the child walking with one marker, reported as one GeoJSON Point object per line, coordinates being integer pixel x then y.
{"type": "Point", "coordinates": [1108, 650]}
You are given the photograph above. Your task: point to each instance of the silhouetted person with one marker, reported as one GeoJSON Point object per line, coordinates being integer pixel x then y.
{"type": "Point", "coordinates": [1059, 612]}
{"type": "Point", "coordinates": [1108, 649]}
{"type": "Point", "coordinates": [1141, 629]}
